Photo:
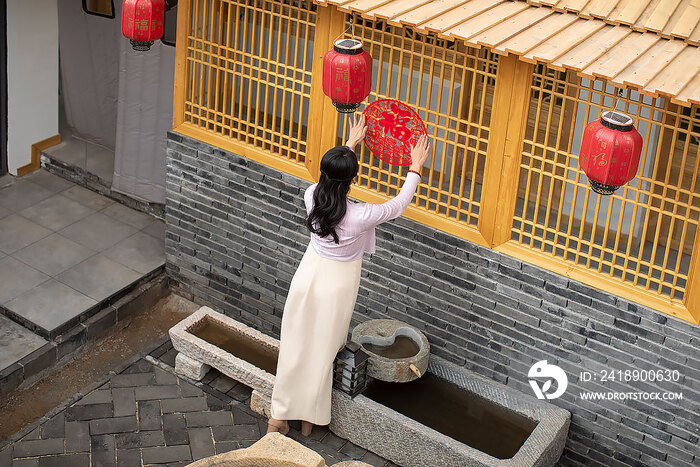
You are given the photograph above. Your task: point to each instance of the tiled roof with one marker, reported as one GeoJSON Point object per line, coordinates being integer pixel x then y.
{"type": "Point", "coordinates": [670, 18]}
{"type": "Point", "coordinates": [592, 47]}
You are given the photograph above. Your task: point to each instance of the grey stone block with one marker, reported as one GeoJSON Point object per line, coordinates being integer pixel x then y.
{"type": "Point", "coordinates": [187, 404]}
{"type": "Point", "coordinates": [38, 447]}
{"type": "Point", "coordinates": [167, 454]}
{"type": "Point", "coordinates": [201, 442]}
{"type": "Point", "coordinates": [132, 380]}
{"type": "Point", "coordinates": [77, 436]}
{"type": "Point", "coordinates": [142, 439]}
{"type": "Point", "coordinates": [200, 419]}
{"type": "Point", "coordinates": [112, 425]}
{"type": "Point", "coordinates": [88, 412]}
{"type": "Point", "coordinates": [175, 429]}
{"type": "Point", "coordinates": [157, 392]}
{"type": "Point", "coordinates": [149, 415]}
{"type": "Point", "coordinates": [39, 360]}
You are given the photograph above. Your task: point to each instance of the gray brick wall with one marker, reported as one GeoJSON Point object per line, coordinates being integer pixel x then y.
{"type": "Point", "coordinates": [234, 235]}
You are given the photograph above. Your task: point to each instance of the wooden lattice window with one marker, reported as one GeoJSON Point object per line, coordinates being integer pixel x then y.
{"type": "Point", "coordinates": [506, 135]}
{"type": "Point", "coordinates": [248, 72]}
{"type": "Point", "coordinates": [451, 87]}
{"type": "Point", "coordinates": [643, 234]}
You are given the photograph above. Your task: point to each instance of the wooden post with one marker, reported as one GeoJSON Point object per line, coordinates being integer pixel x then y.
{"type": "Point", "coordinates": [508, 122]}
{"type": "Point", "coordinates": [692, 289]}
{"type": "Point", "coordinates": [180, 83]}
{"type": "Point", "coordinates": [323, 118]}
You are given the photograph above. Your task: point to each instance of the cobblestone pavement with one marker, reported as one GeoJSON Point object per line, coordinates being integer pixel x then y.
{"type": "Point", "coordinates": [145, 415]}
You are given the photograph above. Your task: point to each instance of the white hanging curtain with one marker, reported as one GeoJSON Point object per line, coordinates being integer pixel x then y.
{"type": "Point", "coordinates": [144, 115]}
{"type": "Point", "coordinates": [117, 97]}
{"type": "Point", "coordinates": [89, 63]}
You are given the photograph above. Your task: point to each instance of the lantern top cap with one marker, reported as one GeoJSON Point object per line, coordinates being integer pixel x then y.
{"type": "Point", "coordinates": [617, 118]}
{"type": "Point", "coordinates": [348, 46]}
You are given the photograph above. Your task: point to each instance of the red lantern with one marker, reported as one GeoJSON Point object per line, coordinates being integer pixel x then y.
{"type": "Point", "coordinates": [610, 152]}
{"type": "Point", "coordinates": [142, 22]}
{"type": "Point", "coordinates": [347, 75]}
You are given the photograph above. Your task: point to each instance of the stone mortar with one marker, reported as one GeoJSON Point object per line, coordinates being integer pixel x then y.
{"type": "Point", "coordinates": [392, 369]}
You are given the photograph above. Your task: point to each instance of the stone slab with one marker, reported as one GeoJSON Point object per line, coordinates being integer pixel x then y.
{"type": "Point", "coordinates": [16, 342]}
{"type": "Point", "coordinates": [272, 449]}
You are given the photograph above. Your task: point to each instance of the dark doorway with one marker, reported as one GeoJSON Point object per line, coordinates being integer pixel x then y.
{"type": "Point", "coordinates": [3, 87]}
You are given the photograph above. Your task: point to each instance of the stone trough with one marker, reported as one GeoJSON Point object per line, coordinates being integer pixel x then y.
{"type": "Point", "coordinates": [408, 442]}
{"type": "Point", "coordinates": [449, 416]}
{"type": "Point", "coordinates": [207, 338]}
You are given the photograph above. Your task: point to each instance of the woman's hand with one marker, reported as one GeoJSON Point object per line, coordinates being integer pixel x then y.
{"type": "Point", "coordinates": [358, 129]}
{"type": "Point", "coordinates": [420, 153]}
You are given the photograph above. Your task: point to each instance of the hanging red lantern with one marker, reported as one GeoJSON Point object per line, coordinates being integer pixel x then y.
{"type": "Point", "coordinates": [347, 75]}
{"type": "Point", "coordinates": [142, 22]}
{"type": "Point", "coordinates": [610, 152]}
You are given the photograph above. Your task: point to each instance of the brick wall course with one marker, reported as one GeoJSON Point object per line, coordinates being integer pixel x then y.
{"type": "Point", "coordinates": [235, 234]}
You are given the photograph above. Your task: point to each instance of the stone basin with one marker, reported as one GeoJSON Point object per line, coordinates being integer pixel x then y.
{"type": "Point", "coordinates": [398, 352]}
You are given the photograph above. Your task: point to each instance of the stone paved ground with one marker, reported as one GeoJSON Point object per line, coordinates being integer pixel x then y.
{"type": "Point", "coordinates": [145, 415]}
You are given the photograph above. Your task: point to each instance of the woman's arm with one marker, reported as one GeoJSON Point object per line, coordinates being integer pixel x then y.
{"type": "Point", "coordinates": [375, 214]}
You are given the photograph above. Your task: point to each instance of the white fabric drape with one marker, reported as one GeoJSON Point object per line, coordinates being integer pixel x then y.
{"type": "Point", "coordinates": [144, 115]}
{"type": "Point", "coordinates": [89, 63]}
{"type": "Point", "coordinates": [117, 97]}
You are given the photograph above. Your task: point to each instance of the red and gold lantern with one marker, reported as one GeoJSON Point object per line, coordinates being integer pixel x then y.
{"type": "Point", "coordinates": [347, 75]}
{"type": "Point", "coordinates": [142, 22]}
{"type": "Point", "coordinates": [610, 152]}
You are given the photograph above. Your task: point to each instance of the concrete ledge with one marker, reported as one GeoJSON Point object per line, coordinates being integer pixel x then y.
{"type": "Point", "coordinates": [96, 321]}
{"type": "Point", "coordinates": [93, 182]}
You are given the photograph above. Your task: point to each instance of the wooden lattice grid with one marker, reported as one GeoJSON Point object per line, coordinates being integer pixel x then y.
{"type": "Point", "coordinates": [248, 66]}
{"type": "Point", "coordinates": [644, 233]}
{"type": "Point", "coordinates": [451, 87]}
{"type": "Point", "coordinates": [244, 82]}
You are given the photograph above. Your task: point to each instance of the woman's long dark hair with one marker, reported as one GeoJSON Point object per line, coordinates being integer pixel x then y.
{"type": "Point", "coordinates": [338, 167]}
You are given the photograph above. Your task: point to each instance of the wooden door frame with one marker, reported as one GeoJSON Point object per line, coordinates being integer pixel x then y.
{"type": "Point", "coordinates": [3, 87]}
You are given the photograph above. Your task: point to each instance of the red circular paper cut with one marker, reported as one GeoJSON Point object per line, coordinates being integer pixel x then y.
{"type": "Point", "coordinates": [392, 129]}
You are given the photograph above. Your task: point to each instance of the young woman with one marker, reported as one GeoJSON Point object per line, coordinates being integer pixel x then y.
{"type": "Point", "coordinates": [322, 294]}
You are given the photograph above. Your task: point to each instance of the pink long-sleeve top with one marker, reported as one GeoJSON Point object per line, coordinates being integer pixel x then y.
{"type": "Point", "coordinates": [356, 230]}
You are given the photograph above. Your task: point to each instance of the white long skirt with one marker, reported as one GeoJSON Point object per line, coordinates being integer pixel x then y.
{"type": "Point", "coordinates": [315, 324]}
